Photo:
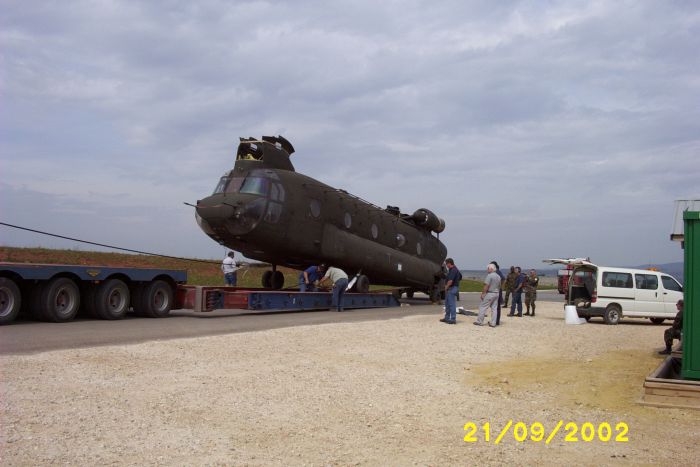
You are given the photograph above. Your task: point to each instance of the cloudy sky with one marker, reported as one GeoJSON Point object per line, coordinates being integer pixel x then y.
{"type": "Point", "coordinates": [535, 129]}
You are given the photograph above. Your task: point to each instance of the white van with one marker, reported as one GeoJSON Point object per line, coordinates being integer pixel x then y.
{"type": "Point", "coordinates": [613, 293]}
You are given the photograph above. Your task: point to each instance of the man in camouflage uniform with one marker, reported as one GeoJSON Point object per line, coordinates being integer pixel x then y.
{"type": "Point", "coordinates": [674, 332]}
{"type": "Point", "coordinates": [509, 284]}
{"type": "Point", "coordinates": [530, 287]}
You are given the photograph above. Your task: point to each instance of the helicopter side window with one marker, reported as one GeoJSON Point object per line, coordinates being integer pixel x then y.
{"type": "Point", "coordinates": [276, 192]}
{"type": "Point", "coordinates": [256, 186]}
{"type": "Point", "coordinates": [315, 207]}
{"type": "Point", "coordinates": [400, 240]}
{"type": "Point", "coordinates": [274, 212]}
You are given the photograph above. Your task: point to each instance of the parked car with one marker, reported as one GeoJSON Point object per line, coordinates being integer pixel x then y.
{"type": "Point", "coordinates": [614, 293]}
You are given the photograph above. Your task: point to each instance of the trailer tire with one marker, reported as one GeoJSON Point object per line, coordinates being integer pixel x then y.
{"type": "Point", "coordinates": [111, 299]}
{"type": "Point", "coordinates": [657, 320]}
{"type": "Point", "coordinates": [10, 300]}
{"type": "Point", "coordinates": [60, 300]}
{"type": "Point", "coordinates": [155, 299]}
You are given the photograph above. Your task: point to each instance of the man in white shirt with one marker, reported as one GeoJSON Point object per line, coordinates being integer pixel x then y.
{"type": "Point", "coordinates": [340, 283]}
{"type": "Point", "coordinates": [229, 267]}
{"type": "Point", "coordinates": [489, 297]}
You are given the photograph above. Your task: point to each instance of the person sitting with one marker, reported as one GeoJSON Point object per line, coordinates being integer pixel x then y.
{"type": "Point", "coordinates": [674, 332]}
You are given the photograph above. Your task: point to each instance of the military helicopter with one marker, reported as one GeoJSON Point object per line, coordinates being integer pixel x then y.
{"type": "Point", "coordinates": [269, 212]}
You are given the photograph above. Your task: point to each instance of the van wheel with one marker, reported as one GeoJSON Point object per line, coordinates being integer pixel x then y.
{"type": "Point", "coordinates": [657, 320]}
{"type": "Point", "coordinates": [612, 314]}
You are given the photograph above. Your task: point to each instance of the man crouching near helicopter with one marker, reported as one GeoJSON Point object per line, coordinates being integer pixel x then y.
{"type": "Point", "coordinates": [340, 282]}
{"type": "Point", "coordinates": [309, 277]}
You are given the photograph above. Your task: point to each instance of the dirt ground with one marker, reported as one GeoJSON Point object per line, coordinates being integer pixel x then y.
{"type": "Point", "coordinates": [395, 392]}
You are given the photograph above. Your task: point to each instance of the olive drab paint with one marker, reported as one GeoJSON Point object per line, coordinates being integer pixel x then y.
{"type": "Point", "coordinates": [269, 212]}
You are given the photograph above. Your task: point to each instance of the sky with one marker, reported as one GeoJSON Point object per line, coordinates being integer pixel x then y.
{"type": "Point", "coordinates": [535, 129]}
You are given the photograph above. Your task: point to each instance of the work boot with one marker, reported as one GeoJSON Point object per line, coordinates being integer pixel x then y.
{"type": "Point", "coordinates": [666, 351]}
{"type": "Point", "coordinates": [527, 313]}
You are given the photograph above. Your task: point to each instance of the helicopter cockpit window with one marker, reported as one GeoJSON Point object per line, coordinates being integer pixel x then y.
{"type": "Point", "coordinates": [256, 186]}
{"type": "Point", "coordinates": [221, 186]}
{"type": "Point", "coordinates": [234, 186]}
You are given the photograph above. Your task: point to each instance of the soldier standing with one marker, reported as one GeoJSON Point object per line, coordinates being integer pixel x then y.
{"type": "Point", "coordinates": [510, 282]}
{"type": "Point", "coordinates": [530, 287]}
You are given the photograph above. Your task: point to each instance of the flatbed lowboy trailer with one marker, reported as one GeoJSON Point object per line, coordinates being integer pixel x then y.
{"type": "Point", "coordinates": [57, 292]}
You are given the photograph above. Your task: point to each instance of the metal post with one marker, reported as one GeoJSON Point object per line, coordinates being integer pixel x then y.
{"type": "Point", "coordinates": [690, 366]}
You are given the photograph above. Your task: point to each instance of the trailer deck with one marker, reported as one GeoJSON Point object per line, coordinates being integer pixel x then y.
{"type": "Point", "coordinates": [208, 298]}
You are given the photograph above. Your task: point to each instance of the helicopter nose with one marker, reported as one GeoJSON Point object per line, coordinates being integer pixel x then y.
{"type": "Point", "coordinates": [223, 217]}
{"type": "Point", "coordinates": [214, 210]}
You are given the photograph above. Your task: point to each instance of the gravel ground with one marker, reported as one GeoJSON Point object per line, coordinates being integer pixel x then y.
{"type": "Point", "coordinates": [395, 392]}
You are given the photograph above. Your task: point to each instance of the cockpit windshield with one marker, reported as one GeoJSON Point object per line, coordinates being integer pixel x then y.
{"type": "Point", "coordinates": [256, 186]}
{"type": "Point", "coordinates": [228, 184]}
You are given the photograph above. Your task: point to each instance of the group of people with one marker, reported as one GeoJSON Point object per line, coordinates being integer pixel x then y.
{"type": "Point", "coordinates": [310, 279]}
{"type": "Point", "coordinates": [313, 278]}
{"type": "Point", "coordinates": [515, 284]}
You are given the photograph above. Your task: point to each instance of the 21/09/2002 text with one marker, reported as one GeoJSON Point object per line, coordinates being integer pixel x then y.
{"type": "Point", "coordinates": [537, 432]}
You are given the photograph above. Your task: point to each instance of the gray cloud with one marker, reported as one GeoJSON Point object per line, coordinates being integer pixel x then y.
{"type": "Point", "coordinates": [535, 130]}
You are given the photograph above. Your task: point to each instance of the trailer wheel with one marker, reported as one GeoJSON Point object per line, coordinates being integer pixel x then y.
{"type": "Point", "coordinates": [155, 299]}
{"type": "Point", "coordinates": [10, 300]}
{"type": "Point", "coordinates": [277, 280]}
{"type": "Point", "coordinates": [60, 300]}
{"type": "Point", "coordinates": [112, 299]}
{"type": "Point", "coordinates": [656, 320]}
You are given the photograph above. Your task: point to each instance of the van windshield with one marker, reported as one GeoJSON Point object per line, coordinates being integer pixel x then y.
{"type": "Point", "coordinates": [671, 284]}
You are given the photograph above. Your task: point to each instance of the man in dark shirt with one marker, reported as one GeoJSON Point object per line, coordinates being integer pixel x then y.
{"type": "Point", "coordinates": [451, 290]}
{"type": "Point", "coordinates": [309, 276]}
{"type": "Point", "coordinates": [674, 332]}
{"type": "Point", "coordinates": [517, 293]}
{"type": "Point", "coordinates": [500, 291]}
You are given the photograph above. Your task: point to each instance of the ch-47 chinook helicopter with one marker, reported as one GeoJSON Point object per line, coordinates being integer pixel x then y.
{"type": "Point", "coordinates": [270, 213]}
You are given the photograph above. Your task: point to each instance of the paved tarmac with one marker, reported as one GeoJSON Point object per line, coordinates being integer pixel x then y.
{"type": "Point", "coordinates": [27, 337]}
